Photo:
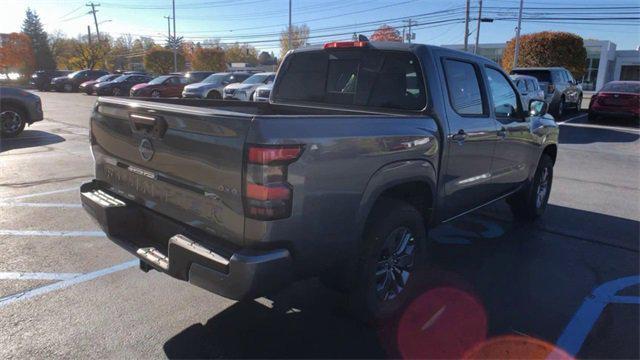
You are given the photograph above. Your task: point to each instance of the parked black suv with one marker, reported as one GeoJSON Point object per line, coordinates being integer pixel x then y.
{"type": "Point", "coordinates": [72, 81]}
{"type": "Point", "coordinates": [41, 79]}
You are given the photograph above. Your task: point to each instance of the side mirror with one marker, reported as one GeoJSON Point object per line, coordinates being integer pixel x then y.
{"type": "Point", "coordinates": [538, 107]}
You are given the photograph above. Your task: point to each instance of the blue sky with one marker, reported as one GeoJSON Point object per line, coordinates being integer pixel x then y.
{"type": "Point", "coordinates": [260, 21]}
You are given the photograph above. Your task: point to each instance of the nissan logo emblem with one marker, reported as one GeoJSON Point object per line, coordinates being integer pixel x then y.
{"type": "Point", "coordinates": [146, 149]}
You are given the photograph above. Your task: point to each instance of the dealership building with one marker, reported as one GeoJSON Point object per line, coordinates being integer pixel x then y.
{"type": "Point", "coordinates": [604, 62]}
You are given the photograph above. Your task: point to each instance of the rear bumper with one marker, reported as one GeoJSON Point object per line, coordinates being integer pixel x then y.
{"type": "Point", "coordinates": [173, 248]}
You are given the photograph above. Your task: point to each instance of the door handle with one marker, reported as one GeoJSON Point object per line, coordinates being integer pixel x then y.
{"type": "Point", "coordinates": [460, 136]}
{"type": "Point", "coordinates": [502, 133]}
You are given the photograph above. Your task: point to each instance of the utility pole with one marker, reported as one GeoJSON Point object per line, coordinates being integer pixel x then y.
{"type": "Point", "coordinates": [89, 33]}
{"type": "Point", "coordinates": [168, 29]}
{"type": "Point", "coordinates": [290, 36]}
{"type": "Point", "coordinates": [95, 19]}
{"type": "Point", "coordinates": [466, 26]}
{"type": "Point", "coordinates": [517, 47]}
{"type": "Point", "coordinates": [403, 35]}
{"type": "Point", "coordinates": [410, 35]}
{"type": "Point", "coordinates": [475, 48]}
{"type": "Point", "coordinates": [175, 43]}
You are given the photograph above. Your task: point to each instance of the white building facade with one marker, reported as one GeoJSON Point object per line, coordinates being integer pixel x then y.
{"type": "Point", "coordinates": [604, 62]}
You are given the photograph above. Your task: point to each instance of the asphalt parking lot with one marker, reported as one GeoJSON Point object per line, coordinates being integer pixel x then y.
{"type": "Point", "coordinates": [572, 279]}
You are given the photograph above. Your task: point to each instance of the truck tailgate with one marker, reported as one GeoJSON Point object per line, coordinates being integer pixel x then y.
{"type": "Point", "coordinates": [181, 161]}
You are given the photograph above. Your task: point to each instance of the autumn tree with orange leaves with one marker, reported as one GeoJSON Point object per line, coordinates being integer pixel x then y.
{"type": "Point", "coordinates": [16, 53]}
{"type": "Point", "coordinates": [386, 33]}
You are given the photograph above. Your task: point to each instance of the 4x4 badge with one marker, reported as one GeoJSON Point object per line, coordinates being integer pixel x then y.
{"type": "Point", "coordinates": [146, 149]}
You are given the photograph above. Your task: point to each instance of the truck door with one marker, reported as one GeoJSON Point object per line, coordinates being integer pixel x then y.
{"type": "Point", "coordinates": [472, 137]}
{"type": "Point", "coordinates": [513, 155]}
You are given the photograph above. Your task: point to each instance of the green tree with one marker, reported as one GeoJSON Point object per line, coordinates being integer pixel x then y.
{"type": "Point", "coordinates": [160, 61]}
{"type": "Point", "coordinates": [32, 27]}
{"type": "Point", "coordinates": [299, 38]}
{"type": "Point", "coordinates": [208, 59]}
{"type": "Point", "coordinates": [548, 48]}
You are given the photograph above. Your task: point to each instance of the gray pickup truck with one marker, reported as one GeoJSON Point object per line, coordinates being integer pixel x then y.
{"type": "Point", "coordinates": [361, 149]}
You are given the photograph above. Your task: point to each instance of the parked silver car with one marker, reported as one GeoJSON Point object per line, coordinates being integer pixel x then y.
{"type": "Point", "coordinates": [245, 90]}
{"type": "Point", "coordinates": [529, 89]}
{"type": "Point", "coordinates": [212, 86]}
{"type": "Point", "coordinates": [561, 90]}
{"type": "Point", "coordinates": [262, 93]}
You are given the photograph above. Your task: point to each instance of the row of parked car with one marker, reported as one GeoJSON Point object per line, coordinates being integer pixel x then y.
{"type": "Point", "coordinates": [244, 86]}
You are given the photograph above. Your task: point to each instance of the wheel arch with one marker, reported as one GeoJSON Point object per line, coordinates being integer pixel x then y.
{"type": "Point", "coordinates": [16, 104]}
{"type": "Point", "coordinates": [552, 151]}
{"type": "Point", "coordinates": [412, 181]}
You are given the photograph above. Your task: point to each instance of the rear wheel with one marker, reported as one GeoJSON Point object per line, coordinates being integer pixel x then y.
{"type": "Point", "coordinates": [392, 250]}
{"type": "Point", "coordinates": [12, 121]}
{"type": "Point", "coordinates": [592, 116]}
{"type": "Point", "coordinates": [530, 203]}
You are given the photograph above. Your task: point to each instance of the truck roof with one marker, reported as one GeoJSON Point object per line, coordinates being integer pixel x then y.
{"type": "Point", "coordinates": [399, 46]}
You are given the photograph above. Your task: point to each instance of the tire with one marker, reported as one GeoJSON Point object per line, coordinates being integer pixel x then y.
{"type": "Point", "coordinates": [579, 104]}
{"type": "Point", "coordinates": [213, 95]}
{"type": "Point", "coordinates": [562, 106]}
{"type": "Point", "coordinates": [531, 202]}
{"type": "Point", "coordinates": [67, 88]}
{"type": "Point", "coordinates": [393, 248]}
{"type": "Point", "coordinates": [592, 116]}
{"type": "Point", "coordinates": [155, 94]}
{"type": "Point", "coordinates": [12, 121]}
{"type": "Point", "coordinates": [116, 91]}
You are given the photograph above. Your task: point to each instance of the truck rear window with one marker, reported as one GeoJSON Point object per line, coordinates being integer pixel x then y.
{"type": "Point", "coordinates": [363, 77]}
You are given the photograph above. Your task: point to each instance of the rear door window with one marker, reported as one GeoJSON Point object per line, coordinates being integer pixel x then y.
{"type": "Point", "coordinates": [522, 87]}
{"type": "Point", "coordinates": [371, 78]}
{"type": "Point", "coordinates": [464, 88]}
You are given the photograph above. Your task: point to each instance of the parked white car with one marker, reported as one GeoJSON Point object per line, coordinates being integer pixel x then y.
{"type": "Point", "coordinates": [529, 89]}
{"type": "Point", "coordinates": [244, 91]}
{"type": "Point", "coordinates": [262, 93]}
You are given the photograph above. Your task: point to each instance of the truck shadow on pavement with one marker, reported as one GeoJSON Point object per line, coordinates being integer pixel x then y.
{"type": "Point", "coordinates": [588, 135]}
{"type": "Point", "coordinates": [30, 138]}
{"type": "Point", "coordinates": [511, 278]}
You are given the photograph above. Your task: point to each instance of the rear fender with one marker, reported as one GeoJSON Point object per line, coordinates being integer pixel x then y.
{"type": "Point", "coordinates": [391, 175]}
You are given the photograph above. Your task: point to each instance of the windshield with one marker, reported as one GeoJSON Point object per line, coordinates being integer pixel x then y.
{"type": "Point", "coordinates": [256, 79]}
{"type": "Point", "coordinates": [215, 79]}
{"type": "Point", "coordinates": [106, 77]}
{"type": "Point", "coordinates": [622, 87]}
{"type": "Point", "coordinates": [158, 80]}
{"type": "Point", "coordinates": [74, 74]}
{"type": "Point", "coordinates": [541, 75]}
{"type": "Point", "coordinates": [121, 78]}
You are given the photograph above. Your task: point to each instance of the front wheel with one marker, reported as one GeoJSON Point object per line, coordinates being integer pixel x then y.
{"type": "Point", "coordinates": [562, 105]}
{"type": "Point", "coordinates": [67, 88]}
{"type": "Point", "coordinates": [213, 95]}
{"type": "Point", "coordinates": [12, 121]}
{"type": "Point", "coordinates": [392, 250]}
{"type": "Point", "coordinates": [155, 94]}
{"type": "Point", "coordinates": [531, 202]}
{"type": "Point", "coordinates": [116, 91]}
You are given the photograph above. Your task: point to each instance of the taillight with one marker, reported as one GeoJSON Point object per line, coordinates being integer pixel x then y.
{"type": "Point", "coordinates": [267, 194]}
{"type": "Point", "coordinates": [551, 88]}
{"type": "Point", "coordinates": [345, 44]}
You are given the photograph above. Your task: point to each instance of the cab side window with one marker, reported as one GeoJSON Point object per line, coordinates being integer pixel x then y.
{"type": "Point", "coordinates": [464, 88]}
{"type": "Point", "coordinates": [505, 100]}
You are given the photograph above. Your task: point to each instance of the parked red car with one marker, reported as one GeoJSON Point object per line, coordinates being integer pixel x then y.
{"type": "Point", "coordinates": [162, 86]}
{"type": "Point", "coordinates": [616, 99]}
{"type": "Point", "coordinates": [87, 86]}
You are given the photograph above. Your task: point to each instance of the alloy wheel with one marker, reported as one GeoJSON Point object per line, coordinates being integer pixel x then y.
{"type": "Point", "coordinates": [155, 94]}
{"type": "Point", "coordinates": [395, 263]}
{"type": "Point", "coordinates": [11, 121]}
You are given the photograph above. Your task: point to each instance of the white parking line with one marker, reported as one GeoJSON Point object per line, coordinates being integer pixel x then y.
{"type": "Point", "coordinates": [571, 118]}
{"type": "Point", "coordinates": [65, 283]}
{"type": "Point", "coordinates": [37, 276]}
{"type": "Point", "coordinates": [52, 233]}
{"type": "Point", "coordinates": [13, 198]}
{"type": "Point", "coordinates": [43, 205]}
{"type": "Point", "coordinates": [596, 126]}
